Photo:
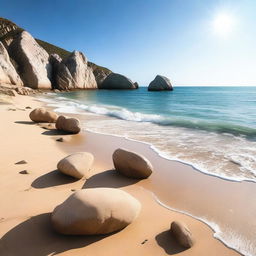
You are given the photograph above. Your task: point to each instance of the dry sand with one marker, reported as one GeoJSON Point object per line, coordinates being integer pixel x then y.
{"type": "Point", "coordinates": [27, 200]}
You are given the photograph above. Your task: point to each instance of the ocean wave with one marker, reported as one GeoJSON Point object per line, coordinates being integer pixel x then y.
{"type": "Point", "coordinates": [125, 114]}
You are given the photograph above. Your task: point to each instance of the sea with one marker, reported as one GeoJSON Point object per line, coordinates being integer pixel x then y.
{"type": "Point", "coordinates": [213, 129]}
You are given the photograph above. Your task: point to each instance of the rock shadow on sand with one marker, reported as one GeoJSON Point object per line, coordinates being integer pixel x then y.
{"type": "Point", "coordinates": [168, 243]}
{"type": "Point", "coordinates": [109, 179]}
{"type": "Point", "coordinates": [24, 122]}
{"type": "Point", "coordinates": [54, 132]}
{"type": "Point", "coordinates": [51, 179]}
{"type": "Point", "coordinates": [35, 236]}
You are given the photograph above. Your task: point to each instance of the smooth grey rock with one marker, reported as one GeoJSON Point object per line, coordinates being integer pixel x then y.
{"type": "Point", "coordinates": [160, 83]}
{"type": "Point", "coordinates": [117, 81]}
{"type": "Point", "coordinates": [100, 75]}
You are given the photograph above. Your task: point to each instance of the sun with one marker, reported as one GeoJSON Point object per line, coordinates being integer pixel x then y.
{"type": "Point", "coordinates": [223, 24]}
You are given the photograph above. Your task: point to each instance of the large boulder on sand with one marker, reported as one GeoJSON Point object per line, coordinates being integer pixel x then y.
{"type": "Point", "coordinates": [74, 73]}
{"type": "Point", "coordinates": [41, 115]}
{"type": "Point", "coordinates": [95, 211]}
{"type": "Point", "coordinates": [117, 81]}
{"type": "Point", "coordinates": [32, 60]}
{"type": "Point", "coordinates": [70, 125]}
{"type": "Point", "coordinates": [76, 165]}
{"type": "Point", "coordinates": [182, 234]}
{"type": "Point", "coordinates": [8, 74]}
{"type": "Point", "coordinates": [132, 164]}
{"type": "Point", "coordinates": [160, 83]}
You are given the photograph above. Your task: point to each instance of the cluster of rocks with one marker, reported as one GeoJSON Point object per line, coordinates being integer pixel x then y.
{"type": "Point", "coordinates": [62, 123]}
{"type": "Point", "coordinates": [97, 211]}
{"type": "Point", "coordinates": [12, 90]}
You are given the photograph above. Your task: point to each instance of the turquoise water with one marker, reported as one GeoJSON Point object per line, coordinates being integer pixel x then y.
{"type": "Point", "coordinates": [211, 128]}
{"type": "Point", "coordinates": [218, 109]}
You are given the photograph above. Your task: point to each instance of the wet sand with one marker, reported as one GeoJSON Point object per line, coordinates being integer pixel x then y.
{"type": "Point", "coordinates": [27, 199]}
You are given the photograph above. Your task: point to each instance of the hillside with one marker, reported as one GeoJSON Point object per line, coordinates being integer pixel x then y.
{"type": "Point", "coordinates": [9, 29]}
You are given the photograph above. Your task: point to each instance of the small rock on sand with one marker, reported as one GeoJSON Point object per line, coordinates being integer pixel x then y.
{"type": "Point", "coordinates": [24, 172]}
{"type": "Point", "coordinates": [21, 162]}
{"type": "Point", "coordinates": [182, 234]}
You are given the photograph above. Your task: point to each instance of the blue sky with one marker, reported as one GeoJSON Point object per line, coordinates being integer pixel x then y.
{"type": "Point", "coordinates": [142, 38]}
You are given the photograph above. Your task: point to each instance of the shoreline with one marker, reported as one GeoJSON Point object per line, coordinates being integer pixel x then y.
{"type": "Point", "coordinates": [165, 156]}
{"type": "Point", "coordinates": [220, 157]}
{"type": "Point", "coordinates": [103, 162]}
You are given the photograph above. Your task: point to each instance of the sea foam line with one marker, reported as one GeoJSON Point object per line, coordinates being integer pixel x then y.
{"type": "Point", "coordinates": [218, 234]}
{"type": "Point", "coordinates": [124, 114]}
{"type": "Point", "coordinates": [71, 107]}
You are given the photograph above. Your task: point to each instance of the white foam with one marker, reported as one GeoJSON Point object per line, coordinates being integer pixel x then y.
{"type": "Point", "coordinates": [228, 237]}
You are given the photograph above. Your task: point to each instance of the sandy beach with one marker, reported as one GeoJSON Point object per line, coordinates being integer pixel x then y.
{"type": "Point", "coordinates": [27, 200]}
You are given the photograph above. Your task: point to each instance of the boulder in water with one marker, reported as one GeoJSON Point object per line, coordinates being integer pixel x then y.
{"type": "Point", "coordinates": [160, 83]}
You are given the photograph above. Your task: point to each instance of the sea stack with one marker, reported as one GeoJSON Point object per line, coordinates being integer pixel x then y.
{"type": "Point", "coordinates": [160, 83]}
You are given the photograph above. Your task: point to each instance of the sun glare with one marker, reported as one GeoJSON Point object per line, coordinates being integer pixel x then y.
{"type": "Point", "coordinates": [223, 24]}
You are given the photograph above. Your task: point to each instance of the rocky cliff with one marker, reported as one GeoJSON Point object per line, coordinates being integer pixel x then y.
{"type": "Point", "coordinates": [41, 65]}
{"type": "Point", "coordinates": [32, 59]}
{"type": "Point", "coordinates": [8, 74]}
